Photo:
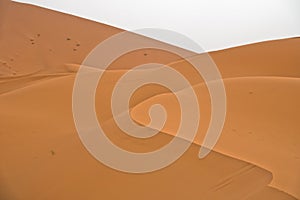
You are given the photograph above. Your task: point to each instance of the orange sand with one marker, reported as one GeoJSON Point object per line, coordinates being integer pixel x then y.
{"type": "Point", "coordinates": [43, 158]}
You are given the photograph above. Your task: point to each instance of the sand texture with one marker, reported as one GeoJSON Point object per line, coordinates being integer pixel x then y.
{"type": "Point", "coordinates": [42, 157]}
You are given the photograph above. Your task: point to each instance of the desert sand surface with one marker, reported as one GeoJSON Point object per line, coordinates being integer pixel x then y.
{"type": "Point", "coordinates": [262, 108]}
{"type": "Point", "coordinates": [270, 193]}
{"type": "Point", "coordinates": [42, 156]}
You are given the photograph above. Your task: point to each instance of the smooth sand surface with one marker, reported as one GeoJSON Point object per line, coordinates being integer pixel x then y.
{"type": "Point", "coordinates": [262, 130]}
{"type": "Point", "coordinates": [42, 156]}
{"type": "Point", "coordinates": [270, 193]}
{"type": "Point", "coordinates": [262, 124]}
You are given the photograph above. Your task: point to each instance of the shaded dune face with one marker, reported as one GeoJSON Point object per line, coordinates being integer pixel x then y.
{"type": "Point", "coordinates": [254, 130]}
{"type": "Point", "coordinates": [55, 163]}
{"type": "Point", "coordinates": [262, 108]}
{"type": "Point", "coordinates": [42, 156]}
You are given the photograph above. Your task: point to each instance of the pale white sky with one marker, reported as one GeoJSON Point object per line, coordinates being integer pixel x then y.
{"type": "Point", "coordinates": [213, 24]}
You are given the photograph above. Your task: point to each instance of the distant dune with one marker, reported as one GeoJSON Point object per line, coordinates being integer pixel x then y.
{"type": "Point", "coordinates": [42, 157]}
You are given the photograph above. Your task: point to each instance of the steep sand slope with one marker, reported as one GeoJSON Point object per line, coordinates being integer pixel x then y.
{"type": "Point", "coordinates": [261, 124]}
{"type": "Point", "coordinates": [261, 82]}
{"type": "Point", "coordinates": [262, 109]}
{"type": "Point", "coordinates": [41, 154]}
{"type": "Point", "coordinates": [37, 40]}
{"type": "Point", "coordinates": [43, 158]}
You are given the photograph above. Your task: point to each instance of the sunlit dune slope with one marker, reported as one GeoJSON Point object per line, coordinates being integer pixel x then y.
{"type": "Point", "coordinates": [261, 126]}
{"type": "Point", "coordinates": [42, 156]}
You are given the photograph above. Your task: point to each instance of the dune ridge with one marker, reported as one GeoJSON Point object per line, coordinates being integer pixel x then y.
{"type": "Point", "coordinates": [255, 125]}
{"type": "Point", "coordinates": [42, 156]}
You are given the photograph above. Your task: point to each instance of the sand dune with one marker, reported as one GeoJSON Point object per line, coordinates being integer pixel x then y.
{"type": "Point", "coordinates": [42, 156]}
{"type": "Point", "coordinates": [254, 130]}
{"type": "Point", "coordinates": [42, 152]}
{"type": "Point", "coordinates": [270, 193]}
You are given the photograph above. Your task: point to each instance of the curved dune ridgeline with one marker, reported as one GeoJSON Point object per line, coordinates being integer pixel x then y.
{"type": "Point", "coordinates": [42, 157]}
